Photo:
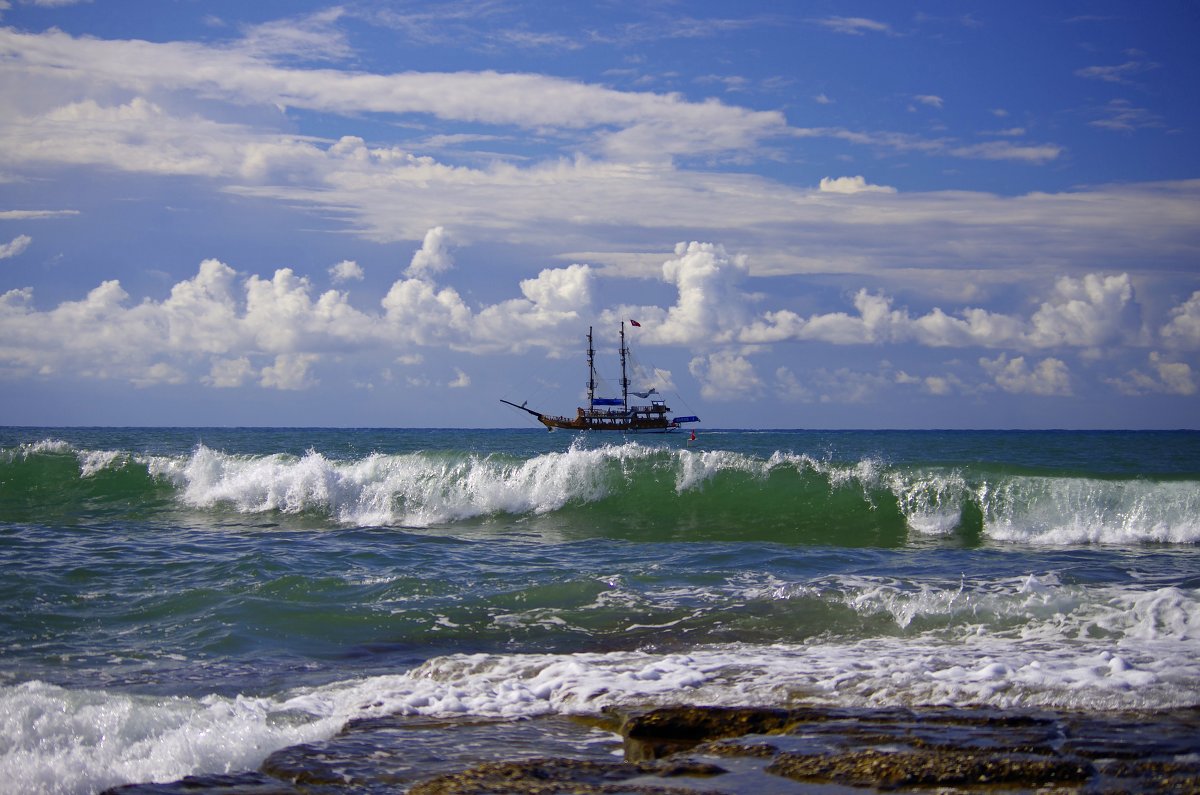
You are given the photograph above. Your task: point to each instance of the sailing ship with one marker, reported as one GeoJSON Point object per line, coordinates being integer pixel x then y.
{"type": "Point", "coordinates": [614, 414]}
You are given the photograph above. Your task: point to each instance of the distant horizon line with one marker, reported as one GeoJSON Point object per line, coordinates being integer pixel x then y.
{"type": "Point", "coordinates": [603, 433]}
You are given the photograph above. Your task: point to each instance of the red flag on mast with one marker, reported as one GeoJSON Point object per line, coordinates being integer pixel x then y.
{"type": "Point", "coordinates": [635, 323]}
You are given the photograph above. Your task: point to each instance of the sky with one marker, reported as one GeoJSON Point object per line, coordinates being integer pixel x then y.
{"type": "Point", "coordinates": [394, 214]}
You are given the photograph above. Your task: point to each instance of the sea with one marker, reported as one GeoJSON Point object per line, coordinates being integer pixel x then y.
{"type": "Point", "coordinates": [220, 602]}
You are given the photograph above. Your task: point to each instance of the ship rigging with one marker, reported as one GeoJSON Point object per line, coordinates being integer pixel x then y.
{"type": "Point", "coordinates": [612, 413]}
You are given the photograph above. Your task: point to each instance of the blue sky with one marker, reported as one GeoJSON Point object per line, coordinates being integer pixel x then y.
{"type": "Point", "coordinates": [823, 214]}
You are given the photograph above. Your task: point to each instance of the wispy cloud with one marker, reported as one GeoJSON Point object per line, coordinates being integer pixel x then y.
{"type": "Point", "coordinates": [1003, 150]}
{"type": "Point", "coordinates": [855, 26]}
{"type": "Point", "coordinates": [1010, 132]}
{"type": "Point", "coordinates": [1120, 73]}
{"type": "Point", "coordinates": [310, 37]}
{"type": "Point", "coordinates": [28, 215]}
{"type": "Point", "coordinates": [906, 142]}
{"type": "Point", "coordinates": [621, 124]}
{"type": "Point", "coordinates": [15, 246]}
{"type": "Point", "coordinates": [1122, 115]}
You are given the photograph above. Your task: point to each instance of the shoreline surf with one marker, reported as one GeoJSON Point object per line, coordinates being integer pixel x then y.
{"type": "Point", "coordinates": [182, 606]}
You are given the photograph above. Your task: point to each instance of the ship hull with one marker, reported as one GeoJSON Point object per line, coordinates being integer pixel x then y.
{"type": "Point", "coordinates": [617, 424]}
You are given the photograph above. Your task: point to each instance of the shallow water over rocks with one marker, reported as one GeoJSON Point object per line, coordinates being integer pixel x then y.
{"type": "Point", "coordinates": [740, 751]}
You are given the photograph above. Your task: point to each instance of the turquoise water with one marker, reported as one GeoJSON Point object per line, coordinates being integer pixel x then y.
{"type": "Point", "coordinates": [188, 601]}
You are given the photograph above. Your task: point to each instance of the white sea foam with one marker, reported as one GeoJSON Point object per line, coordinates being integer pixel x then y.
{"type": "Point", "coordinates": [1029, 641]}
{"type": "Point", "coordinates": [90, 461]}
{"type": "Point", "coordinates": [46, 446]}
{"type": "Point", "coordinates": [27, 449]}
{"type": "Point", "coordinates": [54, 740]}
{"type": "Point", "coordinates": [1051, 511]}
{"type": "Point", "coordinates": [696, 467]}
{"type": "Point", "coordinates": [94, 461]}
{"type": "Point", "coordinates": [418, 489]}
{"type": "Point", "coordinates": [931, 502]}
{"type": "Point", "coordinates": [62, 741]}
{"type": "Point", "coordinates": [969, 669]}
{"type": "Point", "coordinates": [1062, 511]}
{"type": "Point", "coordinates": [1131, 650]}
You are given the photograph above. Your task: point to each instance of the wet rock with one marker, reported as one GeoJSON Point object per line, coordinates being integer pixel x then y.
{"type": "Point", "coordinates": [705, 723]}
{"type": "Point", "coordinates": [386, 754]}
{"type": "Point", "coordinates": [685, 749]}
{"type": "Point", "coordinates": [663, 732]}
{"type": "Point", "coordinates": [1153, 776]}
{"type": "Point", "coordinates": [307, 766]}
{"type": "Point", "coordinates": [738, 749]}
{"type": "Point", "coordinates": [554, 776]}
{"type": "Point", "coordinates": [888, 770]}
{"type": "Point", "coordinates": [681, 767]}
{"type": "Point", "coordinates": [236, 784]}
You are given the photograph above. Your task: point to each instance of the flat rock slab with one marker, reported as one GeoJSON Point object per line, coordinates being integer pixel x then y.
{"type": "Point", "coordinates": [737, 751]}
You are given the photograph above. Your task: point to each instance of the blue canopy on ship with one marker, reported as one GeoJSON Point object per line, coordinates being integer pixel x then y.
{"type": "Point", "coordinates": [607, 402]}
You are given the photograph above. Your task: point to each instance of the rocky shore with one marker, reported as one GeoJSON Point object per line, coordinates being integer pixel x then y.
{"type": "Point", "coordinates": [738, 751]}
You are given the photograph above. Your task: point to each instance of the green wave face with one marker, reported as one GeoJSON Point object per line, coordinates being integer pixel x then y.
{"type": "Point", "coordinates": [627, 491]}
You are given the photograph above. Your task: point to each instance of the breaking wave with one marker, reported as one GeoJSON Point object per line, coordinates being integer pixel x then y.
{"type": "Point", "coordinates": [620, 490]}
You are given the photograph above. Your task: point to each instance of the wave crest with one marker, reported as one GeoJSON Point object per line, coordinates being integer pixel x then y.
{"type": "Point", "coordinates": [628, 489]}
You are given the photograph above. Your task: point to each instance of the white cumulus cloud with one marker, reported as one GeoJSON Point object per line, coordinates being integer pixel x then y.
{"type": "Point", "coordinates": [289, 372]}
{"type": "Point", "coordinates": [229, 373]}
{"type": "Point", "coordinates": [1183, 329]}
{"type": "Point", "coordinates": [710, 305]}
{"type": "Point", "coordinates": [434, 255]}
{"type": "Point", "coordinates": [1048, 377]}
{"type": "Point", "coordinates": [1087, 312]}
{"type": "Point", "coordinates": [1165, 376]}
{"type": "Point", "coordinates": [725, 376]}
{"type": "Point", "coordinates": [851, 185]}
{"type": "Point", "coordinates": [552, 306]}
{"type": "Point", "coordinates": [346, 270]}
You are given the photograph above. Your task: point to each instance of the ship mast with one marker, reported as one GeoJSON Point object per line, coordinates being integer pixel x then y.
{"type": "Point", "coordinates": [591, 353]}
{"type": "Point", "coordinates": [624, 379]}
